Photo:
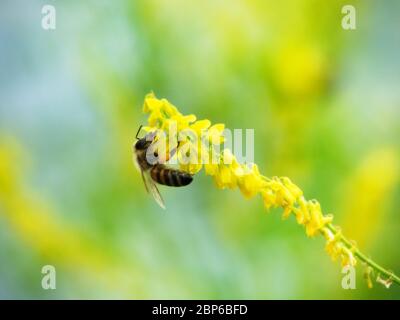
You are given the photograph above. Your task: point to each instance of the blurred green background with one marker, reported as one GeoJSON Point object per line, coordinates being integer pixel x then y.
{"type": "Point", "coordinates": [324, 103]}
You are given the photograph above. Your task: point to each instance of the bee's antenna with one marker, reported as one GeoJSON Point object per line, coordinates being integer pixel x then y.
{"type": "Point", "coordinates": [137, 133]}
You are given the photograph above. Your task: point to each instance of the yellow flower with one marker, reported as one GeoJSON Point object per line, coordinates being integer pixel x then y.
{"type": "Point", "coordinates": [189, 158]}
{"type": "Point", "coordinates": [304, 215]}
{"type": "Point", "coordinates": [215, 133]}
{"type": "Point", "coordinates": [269, 198]}
{"type": "Point", "coordinates": [200, 126]}
{"type": "Point", "coordinates": [367, 275]}
{"type": "Point", "coordinates": [333, 245]}
{"type": "Point", "coordinates": [199, 144]}
{"type": "Point", "coordinates": [293, 189]}
{"type": "Point", "coordinates": [348, 257]}
{"type": "Point", "coordinates": [316, 222]}
{"type": "Point", "coordinates": [211, 162]}
{"type": "Point", "coordinates": [250, 183]}
{"type": "Point", "coordinates": [225, 178]}
{"type": "Point", "coordinates": [151, 103]}
{"type": "Point", "coordinates": [155, 118]}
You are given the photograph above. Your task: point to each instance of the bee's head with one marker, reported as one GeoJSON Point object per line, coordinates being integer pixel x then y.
{"type": "Point", "coordinates": [142, 144]}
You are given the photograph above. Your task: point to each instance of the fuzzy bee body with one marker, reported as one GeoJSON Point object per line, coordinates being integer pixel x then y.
{"type": "Point", "coordinates": [157, 172]}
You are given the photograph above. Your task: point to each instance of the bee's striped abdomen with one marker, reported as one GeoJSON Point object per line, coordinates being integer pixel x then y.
{"type": "Point", "coordinates": [170, 177]}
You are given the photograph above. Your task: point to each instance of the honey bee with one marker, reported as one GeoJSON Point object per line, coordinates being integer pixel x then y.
{"type": "Point", "coordinates": [156, 172]}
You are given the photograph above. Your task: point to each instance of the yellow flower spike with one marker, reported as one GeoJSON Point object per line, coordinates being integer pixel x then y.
{"type": "Point", "coordinates": [229, 173]}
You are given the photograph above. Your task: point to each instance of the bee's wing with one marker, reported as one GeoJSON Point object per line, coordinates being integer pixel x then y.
{"type": "Point", "coordinates": [152, 188]}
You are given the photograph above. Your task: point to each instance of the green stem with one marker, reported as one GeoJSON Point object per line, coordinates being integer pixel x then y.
{"type": "Point", "coordinates": [390, 275]}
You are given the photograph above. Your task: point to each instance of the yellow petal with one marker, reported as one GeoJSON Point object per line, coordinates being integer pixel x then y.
{"type": "Point", "coordinates": [151, 103]}
{"type": "Point", "coordinates": [200, 125]}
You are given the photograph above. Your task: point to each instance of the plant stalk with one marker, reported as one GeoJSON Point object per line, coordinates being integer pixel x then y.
{"type": "Point", "coordinates": [380, 270]}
